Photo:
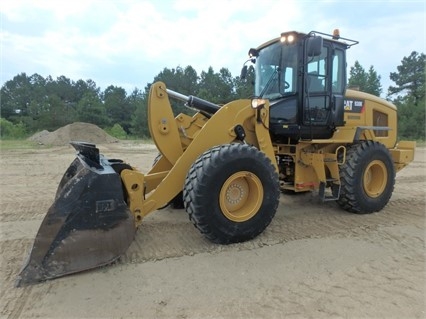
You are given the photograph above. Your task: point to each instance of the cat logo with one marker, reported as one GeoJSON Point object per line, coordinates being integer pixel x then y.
{"type": "Point", "coordinates": [355, 106]}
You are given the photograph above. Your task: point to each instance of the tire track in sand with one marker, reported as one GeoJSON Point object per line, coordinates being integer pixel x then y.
{"type": "Point", "coordinates": [164, 239]}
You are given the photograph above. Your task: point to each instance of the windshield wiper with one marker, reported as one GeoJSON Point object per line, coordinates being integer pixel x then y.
{"type": "Point", "coordinates": [269, 81]}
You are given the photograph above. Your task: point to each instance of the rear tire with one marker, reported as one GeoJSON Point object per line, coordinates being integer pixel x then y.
{"type": "Point", "coordinates": [367, 178]}
{"type": "Point", "coordinates": [231, 193]}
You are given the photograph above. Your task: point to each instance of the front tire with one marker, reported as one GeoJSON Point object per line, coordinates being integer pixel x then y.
{"type": "Point", "coordinates": [231, 193]}
{"type": "Point", "coordinates": [367, 178]}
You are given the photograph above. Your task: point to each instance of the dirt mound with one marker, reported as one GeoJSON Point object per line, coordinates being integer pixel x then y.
{"type": "Point", "coordinates": [78, 131]}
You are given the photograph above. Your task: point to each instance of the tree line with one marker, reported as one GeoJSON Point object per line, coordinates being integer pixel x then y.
{"type": "Point", "coordinates": [34, 103]}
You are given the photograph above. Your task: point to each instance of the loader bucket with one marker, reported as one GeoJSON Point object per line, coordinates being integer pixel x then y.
{"type": "Point", "coordinates": [89, 223]}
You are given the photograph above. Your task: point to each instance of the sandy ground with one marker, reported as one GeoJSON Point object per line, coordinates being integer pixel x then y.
{"type": "Point", "coordinates": [313, 261]}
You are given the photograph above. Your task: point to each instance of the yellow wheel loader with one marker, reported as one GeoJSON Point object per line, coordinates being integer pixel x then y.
{"type": "Point", "coordinates": [302, 131]}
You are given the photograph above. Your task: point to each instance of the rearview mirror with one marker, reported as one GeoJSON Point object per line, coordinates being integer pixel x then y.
{"type": "Point", "coordinates": [314, 46]}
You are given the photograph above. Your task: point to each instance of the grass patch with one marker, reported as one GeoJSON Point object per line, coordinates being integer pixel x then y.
{"type": "Point", "coordinates": [138, 141]}
{"type": "Point", "coordinates": [420, 143]}
{"type": "Point", "coordinates": [18, 145]}
{"type": "Point", "coordinates": [21, 144]}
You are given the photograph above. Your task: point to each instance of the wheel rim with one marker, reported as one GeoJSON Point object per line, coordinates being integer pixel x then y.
{"type": "Point", "coordinates": [375, 178]}
{"type": "Point", "coordinates": [241, 196]}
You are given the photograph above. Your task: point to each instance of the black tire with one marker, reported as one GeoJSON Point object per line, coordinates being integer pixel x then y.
{"type": "Point", "coordinates": [177, 201]}
{"type": "Point", "coordinates": [367, 178]}
{"type": "Point", "coordinates": [231, 193]}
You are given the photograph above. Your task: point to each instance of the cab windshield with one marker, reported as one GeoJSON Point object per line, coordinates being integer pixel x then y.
{"type": "Point", "coordinates": [276, 71]}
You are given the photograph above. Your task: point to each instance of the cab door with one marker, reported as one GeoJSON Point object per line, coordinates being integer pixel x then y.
{"type": "Point", "coordinates": [316, 111]}
{"type": "Point", "coordinates": [324, 87]}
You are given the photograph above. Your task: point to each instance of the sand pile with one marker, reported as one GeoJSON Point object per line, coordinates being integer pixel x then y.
{"type": "Point", "coordinates": [84, 132]}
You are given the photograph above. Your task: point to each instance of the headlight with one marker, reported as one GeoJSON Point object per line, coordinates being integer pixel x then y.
{"type": "Point", "coordinates": [288, 38]}
{"type": "Point", "coordinates": [257, 103]}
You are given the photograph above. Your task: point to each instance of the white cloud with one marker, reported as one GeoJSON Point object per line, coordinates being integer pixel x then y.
{"type": "Point", "coordinates": [129, 41]}
{"type": "Point", "coordinates": [385, 44]}
{"type": "Point", "coordinates": [21, 10]}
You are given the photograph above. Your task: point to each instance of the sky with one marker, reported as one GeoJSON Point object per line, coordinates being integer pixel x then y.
{"type": "Point", "coordinates": [126, 43]}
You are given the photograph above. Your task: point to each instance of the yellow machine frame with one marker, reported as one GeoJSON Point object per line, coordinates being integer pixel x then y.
{"type": "Point", "coordinates": [317, 161]}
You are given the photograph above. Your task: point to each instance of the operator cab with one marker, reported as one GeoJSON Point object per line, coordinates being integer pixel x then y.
{"type": "Point", "coordinates": [304, 78]}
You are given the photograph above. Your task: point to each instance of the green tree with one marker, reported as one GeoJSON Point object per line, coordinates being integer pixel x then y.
{"type": "Point", "coordinates": [38, 107]}
{"type": "Point", "coordinates": [411, 118]}
{"type": "Point", "coordinates": [117, 106]}
{"type": "Point", "coordinates": [410, 78]}
{"type": "Point", "coordinates": [90, 109]}
{"type": "Point", "coordinates": [190, 81]}
{"type": "Point", "coordinates": [15, 97]}
{"type": "Point", "coordinates": [409, 96]}
{"type": "Point", "coordinates": [184, 81]}
{"type": "Point", "coordinates": [50, 113]}
{"type": "Point", "coordinates": [37, 102]}
{"type": "Point", "coordinates": [81, 87]}
{"type": "Point", "coordinates": [368, 82]}
{"type": "Point", "coordinates": [10, 130]}
{"type": "Point", "coordinates": [373, 82]}
{"type": "Point", "coordinates": [139, 121]}
{"type": "Point", "coordinates": [63, 88]}
{"type": "Point", "coordinates": [117, 131]}
{"type": "Point", "coordinates": [244, 88]}
{"type": "Point", "coordinates": [51, 103]}
{"type": "Point", "coordinates": [46, 103]}
{"type": "Point", "coordinates": [217, 87]}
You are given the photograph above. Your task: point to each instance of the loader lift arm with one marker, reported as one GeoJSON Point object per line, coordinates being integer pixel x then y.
{"type": "Point", "coordinates": [217, 130]}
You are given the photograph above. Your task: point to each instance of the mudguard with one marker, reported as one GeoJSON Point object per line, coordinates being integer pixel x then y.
{"type": "Point", "coordinates": [89, 223]}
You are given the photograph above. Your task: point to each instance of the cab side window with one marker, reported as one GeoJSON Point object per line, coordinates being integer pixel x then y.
{"type": "Point", "coordinates": [338, 77]}
{"type": "Point", "coordinates": [317, 72]}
